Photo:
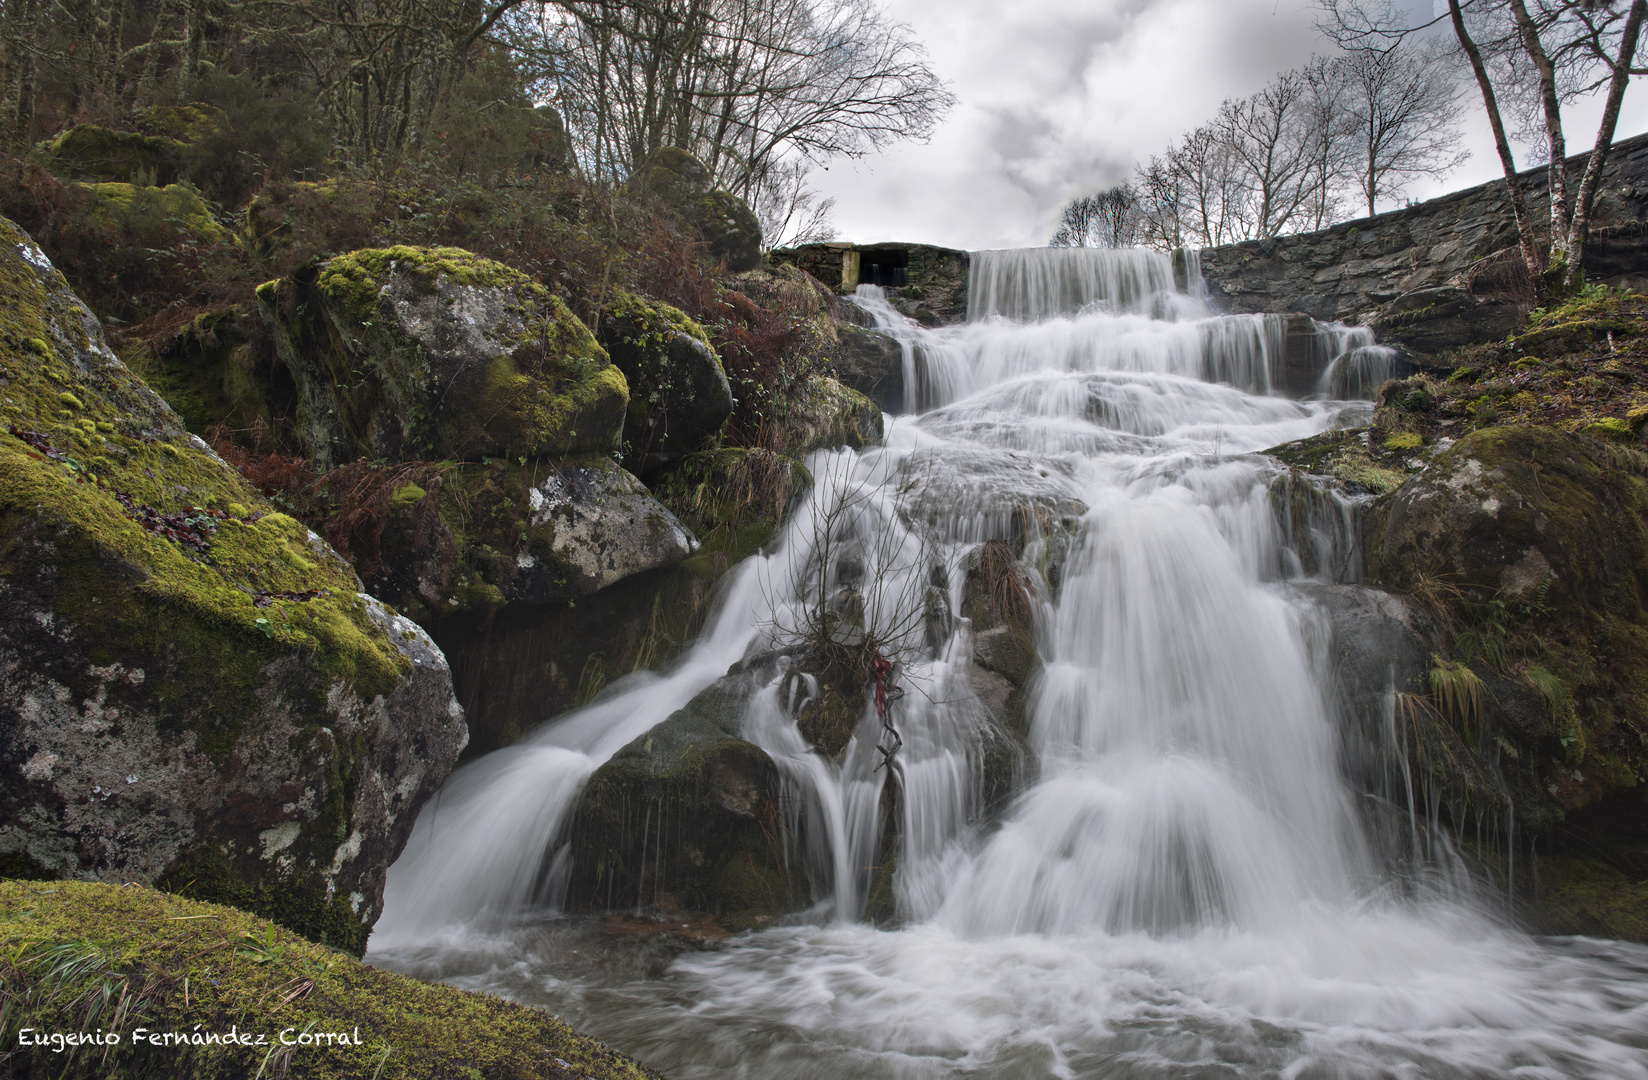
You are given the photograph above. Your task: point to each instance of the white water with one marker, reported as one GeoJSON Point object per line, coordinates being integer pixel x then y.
{"type": "Point", "coordinates": [1185, 890]}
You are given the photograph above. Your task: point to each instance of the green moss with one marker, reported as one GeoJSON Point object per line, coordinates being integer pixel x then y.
{"type": "Point", "coordinates": [353, 281]}
{"type": "Point", "coordinates": [1610, 428]}
{"type": "Point", "coordinates": [89, 149]}
{"type": "Point", "coordinates": [132, 208]}
{"type": "Point", "coordinates": [1403, 440]}
{"type": "Point", "coordinates": [1585, 895]}
{"type": "Point", "coordinates": [174, 964]}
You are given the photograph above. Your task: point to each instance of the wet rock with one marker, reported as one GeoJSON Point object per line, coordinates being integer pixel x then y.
{"type": "Point", "coordinates": [1429, 320]}
{"type": "Point", "coordinates": [871, 363]}
{"type": "Point", "coordinates": [1536, 540]}
{"type": "Point", "coordinates": [679, 395]}
{"type": "Point", "coordinates": [192, 692]}
{"type": "Point", "coordinates": [689, 817]}
{"type": "Point", "coordinates": [521, 533]}
{"type": "Point", "coordinates": [402, 353]}
{"type": "Point", "coordinates": [820, 413]}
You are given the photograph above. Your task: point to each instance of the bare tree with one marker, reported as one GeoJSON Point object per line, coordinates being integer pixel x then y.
{"type": "Point", "coordinates": [1528, 59]}
{"type": "Point", "coordinates": [1109, 219]}
{"type": "Point", "coordinates": [744, 84]}
{"type": "Point", "coordinates": [1404, 107]}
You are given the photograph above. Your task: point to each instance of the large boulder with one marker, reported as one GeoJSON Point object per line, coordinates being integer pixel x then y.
{"type": "Point", "coordinates": [679, 395]}
{"type": "Point", "coordinates": [193, 691]}
{"type": "Point", "coordinates": [1534, 541]}
{"type": "Point", "coordinates": [690, 817]}
{"type": "Point", "coordinates": [729, 227]}
{"type": "Point", "coordinates": [406, 352]}
{"type": "Point", "coordinates": [478, 536]}
{"type": "Point", "coordinates": [870, 362]}
{"type": "Point", "coordinates": [819, 413]}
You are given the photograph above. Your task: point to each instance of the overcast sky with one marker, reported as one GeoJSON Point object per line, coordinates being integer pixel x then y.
{"type": "Point", "coordinates": [1061, 97]}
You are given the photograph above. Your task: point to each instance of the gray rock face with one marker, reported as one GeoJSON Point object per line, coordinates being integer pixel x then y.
{"type": "Point", "coordinates": [407, 353]}
{"type": "Point", "coordinates": [871, 363]}
{"type": "Point", "coordinates": [1422, 275]}
{"type": "Point", "coordinates": [192, 692]}
{"type": "Point", "coordinates": [605, 528]}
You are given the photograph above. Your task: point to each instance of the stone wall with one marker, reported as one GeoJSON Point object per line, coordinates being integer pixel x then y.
{"type": "Point", "coordinates": [934, 292]}
{"type": "Point", "coordinates": [1437, 273]}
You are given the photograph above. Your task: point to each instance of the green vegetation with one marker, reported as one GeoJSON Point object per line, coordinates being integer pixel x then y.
{"type": "Point", "coordinates": [79, 957]}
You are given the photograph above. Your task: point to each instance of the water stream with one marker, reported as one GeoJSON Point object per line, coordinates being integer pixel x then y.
{"type": "Point", "coordinates": [1186, 886]}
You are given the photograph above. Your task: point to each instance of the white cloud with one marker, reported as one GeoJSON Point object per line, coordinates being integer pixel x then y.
{"type": "Point", "coordinates": [1062, 97]}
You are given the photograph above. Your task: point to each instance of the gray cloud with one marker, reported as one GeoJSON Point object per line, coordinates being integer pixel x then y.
{"type": "Point", "coordinates": [1062, 97]}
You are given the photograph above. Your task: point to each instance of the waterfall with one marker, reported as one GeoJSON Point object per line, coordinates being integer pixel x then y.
{"type": "Point", "coordinates": [1187, 882]}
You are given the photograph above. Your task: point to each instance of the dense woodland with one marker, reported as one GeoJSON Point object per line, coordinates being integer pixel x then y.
{"type": "Point", "coordinates": [171, 155]}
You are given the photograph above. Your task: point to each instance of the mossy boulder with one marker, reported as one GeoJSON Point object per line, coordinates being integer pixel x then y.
{"type": "Point", "coordinates": [197, 969]}
{"type": "Point", "coordinates": [178, 209]}
{"type": "Point", "coordinates": [729, 227]}
{"type": "Point", "coordinates": [670, 174]}
{"type": "Point", "coordinates": [405, 353]}
{"type": "Point", "coordinates": [128, 156]}
{"type": "Point", "coordinates": [819, 413]}
{"type": "Point", "coordinates": [519, 666]}
{"type": "Point", "coordinates": [220, 369]}
{"type": "Point", "coordinates": [1534, 541]}
{"type": "Point", "coordinates": [679, 395]}
{"type": "Point", "coordinates": [480, 536]}
{"type": "Point", "coordinates": [689, 817]}
{"type": "Point", "coordinates": [194, 691]}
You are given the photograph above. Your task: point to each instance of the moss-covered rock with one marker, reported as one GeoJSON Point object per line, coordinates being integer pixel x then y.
{"type": "Point", "coordinates": [689, 817]}
{"type": "Point", "coordinates": [729, 227]}
{"type": "Point", "coordinates": [508, 532]}
{"type": "Point", "coordinates": [679, 395]}
{"type": "Point", "coordinates": [517, 667]}
{"type": "Point", "coordinates": [820, 413]}
{"type": "Point", "coordinates": [126, 156]}
{"type": "Point", "coordinates": [403, 353]}
{"type": "Point", "coordinates": [219, 369]}
{"type": "Point", "coordinates": [134, 209]}
{"type": "Point", "coordinates": [194, 690]}
{"type": "Point", "coordinates": [1534, 542]}
{"type": "Point", "coordinates": [189, 969]}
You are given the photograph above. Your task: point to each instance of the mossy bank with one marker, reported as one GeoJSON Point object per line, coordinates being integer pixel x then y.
{"type": "Point", "coordinates": [94, 958]}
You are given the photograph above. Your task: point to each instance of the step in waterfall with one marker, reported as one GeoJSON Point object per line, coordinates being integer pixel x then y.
{"type": "Point", "coordinates": [1189, 881]}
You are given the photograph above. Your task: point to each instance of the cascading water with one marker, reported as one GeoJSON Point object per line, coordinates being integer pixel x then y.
{"type": "Point", "coordinates": [1186, 888]}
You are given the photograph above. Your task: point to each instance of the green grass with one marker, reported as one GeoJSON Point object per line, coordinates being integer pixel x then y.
{"type": "Point", "coordinates": [91, 959]}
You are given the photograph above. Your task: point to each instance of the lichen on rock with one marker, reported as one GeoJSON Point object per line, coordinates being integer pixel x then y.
{"type": "Point", "coordinates": [679, 395]}
{"type": "Point", "coordinates": [191, 680]}
{"type": "Point", "coordinates": [404, 352]}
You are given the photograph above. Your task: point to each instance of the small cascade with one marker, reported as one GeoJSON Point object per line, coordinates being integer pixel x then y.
{"type": "Point", "coordinates": [1217, 859]}
{"type": "Point", "coordinates": [1354, 365]}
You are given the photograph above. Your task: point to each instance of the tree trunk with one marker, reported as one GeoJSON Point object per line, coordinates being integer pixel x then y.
{"type": "Point", "coordinates": [22, 117]}
{"type": "Point", "coordinates": [1579, 231]}
{"type": "Point", "coordinates": [1556, 268]}
{"type": "Point", "coordinates": [1513, 189]}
